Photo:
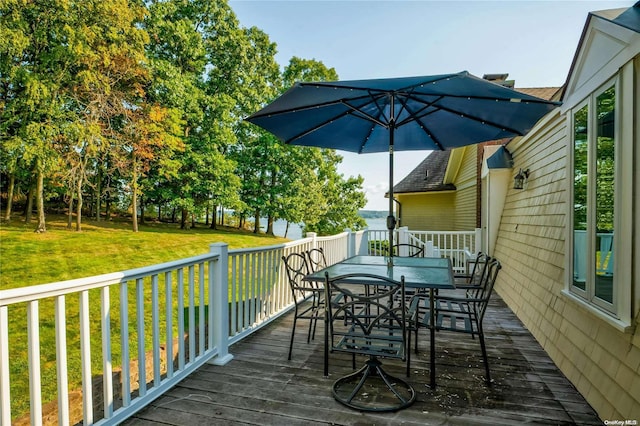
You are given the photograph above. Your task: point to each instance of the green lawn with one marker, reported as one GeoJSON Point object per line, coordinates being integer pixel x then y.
{"type": "Point", "coordinates": [27, 258]}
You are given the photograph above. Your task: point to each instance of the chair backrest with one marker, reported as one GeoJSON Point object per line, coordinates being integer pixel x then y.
{"type": "Point", "coordinates": [407, 250]}
{"type": "Point", "coordinates": [482, 295]}
{"type": "Point", "coordinates": [316, 259]}
{"type": "Point", "coordinates": [363, 320]}
{"type": "Point", "coordinates": [479, 269]}
{"type": "Point", "coordinates": [296, 266]}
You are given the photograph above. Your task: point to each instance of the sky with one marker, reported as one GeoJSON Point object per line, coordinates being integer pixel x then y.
{"type": "Point", "coordinates": [533, 41]}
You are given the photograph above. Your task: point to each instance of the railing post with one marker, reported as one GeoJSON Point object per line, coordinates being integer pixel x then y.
{"type": "Point", "coordinates": [313, 236]}
{"type": "Point", "coordinates": [363, 249]}
{"type": "Point", "coordinates": [351, 242]}
{"type": "Point", "coordinates": [219, 302]}
{"type": "Point", "coordinates": [478, 240]}
{"type": "Point", "coordinates": [403, 238]}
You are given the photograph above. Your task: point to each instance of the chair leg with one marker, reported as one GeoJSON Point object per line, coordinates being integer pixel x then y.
{"type": "Point", "coordinates": [484, 356]}
{"type": "Point", "coordinates": [408, 351]}
{"type": "Point", "coordinates": [293, 332]}
{"type": "Point", "coordinates": [349, 391]}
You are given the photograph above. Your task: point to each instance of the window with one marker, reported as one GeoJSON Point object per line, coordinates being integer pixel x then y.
{"type": "Point", "coordinates": [594, 200]}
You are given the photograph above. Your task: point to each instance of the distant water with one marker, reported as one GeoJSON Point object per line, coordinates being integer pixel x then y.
{"type": "Point", "coordinates": [295, 231]}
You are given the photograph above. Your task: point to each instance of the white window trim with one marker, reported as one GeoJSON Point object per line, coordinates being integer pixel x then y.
{"type": "Point", "coordinates": [619, 313]}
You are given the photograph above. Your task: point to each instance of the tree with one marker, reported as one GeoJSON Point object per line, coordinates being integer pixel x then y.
{"type": "Point", "coordinates": [343, 198]}
{"type": "Point", "coordinates": [35, 62]}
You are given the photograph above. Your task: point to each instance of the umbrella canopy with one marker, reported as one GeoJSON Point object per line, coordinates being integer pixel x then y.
{"type": "Point", "coordinates": [411, 113]}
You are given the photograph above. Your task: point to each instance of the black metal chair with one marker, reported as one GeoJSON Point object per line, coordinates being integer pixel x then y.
{"type": "Point", "coordinates": [308, 296]}
{"type": "Point", "coordinates": [371, 324]}
{"type": "Point", "coordinates": [462, 314]}
{"type": "Point", "coordinates": [473, 279]}
{"type": "Point", "coordinates": [316, 259]}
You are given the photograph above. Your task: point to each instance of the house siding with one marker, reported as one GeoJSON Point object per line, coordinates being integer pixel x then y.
{"type": "Point", "coordinates": [466, 198]}
{"type": "Point", "coordinates": [428, 212]}
{"type": "Point", "coordinates": [601, 361]}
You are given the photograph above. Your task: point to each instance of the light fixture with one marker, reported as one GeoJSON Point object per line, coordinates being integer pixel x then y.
{"type": "Point", "coordinates": [521, 179]}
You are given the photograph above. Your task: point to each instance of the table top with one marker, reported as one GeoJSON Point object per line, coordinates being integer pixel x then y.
{"type": "Point", "coordinates": [418, 272]}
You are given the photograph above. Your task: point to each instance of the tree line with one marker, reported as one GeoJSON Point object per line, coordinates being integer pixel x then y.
{"type": "Point", "coordinates": [125, 105]}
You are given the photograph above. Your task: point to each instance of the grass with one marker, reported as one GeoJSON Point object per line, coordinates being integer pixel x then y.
{"type": "Point", "coordinates": [27, 258]}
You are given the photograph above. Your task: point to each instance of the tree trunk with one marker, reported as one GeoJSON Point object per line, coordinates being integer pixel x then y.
{"type": "Point", "coordinates": [12, 182]}
{"type": "Point", "coordinates": [214, 218]}
{"type": "Point", "coordinates": [107, 210]}
{"type": "Point", "coordinates": [98, 193]}
{"type": "Point", "coordinates": [159, 212]}
{"type": "Point", "coordinates": [256, 221]}
{"type": "Point", "coordinates": [41, 227]}
{"type": "Point", "coordinates": [79, 206]}
{"type": "Point", "coordinates": [270, 225]}
{"type": "Point", "coordinates": [184, 219]}
{"type": "Point", "coordinates": [70, 209]}
{"type": "Point", "coordinates": [286, 229]}
{"type": "Point", "coordinates": [28, 210]}
{"type": "Point", "coordinates": [134, 201]}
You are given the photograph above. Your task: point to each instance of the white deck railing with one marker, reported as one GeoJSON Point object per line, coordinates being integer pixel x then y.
{"type": "Point", "coordinates": [175, 316]}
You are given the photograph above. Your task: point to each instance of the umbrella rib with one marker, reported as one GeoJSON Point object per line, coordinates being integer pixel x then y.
{"type": "Point", "coordinates": [359, 114]}
{"type": "Point", "coordinates": [306, 107]}
{"type": "Point", "coordinates": [417, 117]}
{"type": "Point", "coordinates": [417, 114]}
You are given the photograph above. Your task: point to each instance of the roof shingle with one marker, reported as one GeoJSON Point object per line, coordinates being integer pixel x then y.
{"type": "Point", "coordinates": [427, 176]}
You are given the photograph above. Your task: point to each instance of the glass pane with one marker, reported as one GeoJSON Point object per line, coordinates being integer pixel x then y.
{"type": "Point", "coordinates": [580, 178]}
{"type": "Point", "coordinates": [605, 168]}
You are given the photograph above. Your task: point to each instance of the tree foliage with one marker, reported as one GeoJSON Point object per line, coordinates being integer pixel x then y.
{"type": "Point", "coordinates": [141, 105]}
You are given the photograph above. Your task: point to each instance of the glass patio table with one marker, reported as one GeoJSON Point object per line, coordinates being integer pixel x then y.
{"type": "Point", "coordinates": [419, 273]}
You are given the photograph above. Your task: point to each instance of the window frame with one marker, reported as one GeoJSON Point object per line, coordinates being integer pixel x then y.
{"type": "Point", "coordinates": [618, 311]}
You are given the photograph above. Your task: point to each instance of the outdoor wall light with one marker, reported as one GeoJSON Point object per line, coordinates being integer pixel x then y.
{"type": "Point", "coordinates": [521, 179]}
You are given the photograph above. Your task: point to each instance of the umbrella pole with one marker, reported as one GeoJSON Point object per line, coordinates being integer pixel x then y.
{"type": "Point", "coordinates": [391, 220]}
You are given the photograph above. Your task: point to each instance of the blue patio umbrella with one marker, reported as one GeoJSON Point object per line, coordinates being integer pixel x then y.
{"type": "Point", "coordinates": [400, 114]}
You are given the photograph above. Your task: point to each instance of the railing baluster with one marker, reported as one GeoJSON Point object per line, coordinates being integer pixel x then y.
{"type": "Point", "coordinates": [253, 295]}
{"type": "Point", "coordinates": [155, 333]}
{"type": "Point", "coordinates": [201, 314]}
{"type": "Point", "coordinates": [124, 344]}
{"type": "Point", "coordinates": [181, 348]}
{"type": "Point", "coordinates": [85, 358]}
{"type": "Point", "coordinates": [192, 314]}
{"type": "Point", "coordinates": [234, 295]}
{"type": "Point", "coordinates": [33, 333]}
{"type": "Point", "coordinates": [5, 383]}
{"type": "Point", "coordinates": [212, 311]}
{"type": "Point", "coordinates": [107, 371]}
{"type": "Point", "coordinates": [168, 302]}
{"type": "Point", "coordinates": [142, 358]}
{"type": "Point", "coordinates": [246, 280]}
{"type": "Point", "coordinates": [61, 361]}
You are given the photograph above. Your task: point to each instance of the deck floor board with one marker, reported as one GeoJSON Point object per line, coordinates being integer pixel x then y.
{"type": "Point", "coordinates": [260, 386]}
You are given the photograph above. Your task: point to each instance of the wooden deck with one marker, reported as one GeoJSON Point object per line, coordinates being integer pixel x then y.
{"type": "Point", "coordinates": [261, 387]}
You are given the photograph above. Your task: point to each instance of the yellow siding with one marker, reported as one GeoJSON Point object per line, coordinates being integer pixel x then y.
{"type": "Point", "coordinates": [465, 215]}
{"type": "Point", "coordinates": [466, 196]}
{"type": "Point", "coordinates": [602, 362]}
{"type": "Point", "coordinates": [428, 212]}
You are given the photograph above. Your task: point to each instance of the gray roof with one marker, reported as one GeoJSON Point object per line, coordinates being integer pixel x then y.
{"type": "Point", "coordinates": [427, 176]}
